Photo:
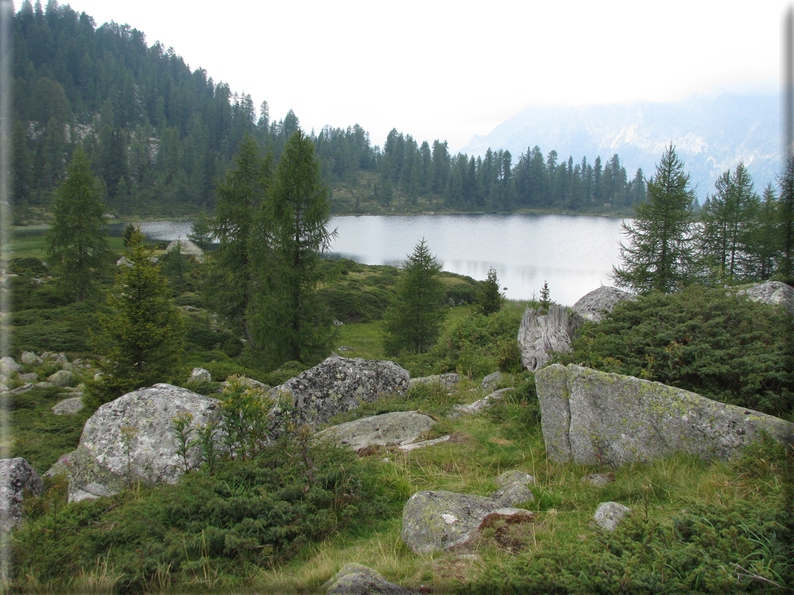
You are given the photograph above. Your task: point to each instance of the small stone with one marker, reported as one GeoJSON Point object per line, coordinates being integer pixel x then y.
{"type": "Point", "coordinates": [599, 479]}
{"type": "Point", "coordinates": [200, 375]}
{"type": "Point", "coordinates": [608, 515]}
{"type": "Point", "coordinates": [514, 476]}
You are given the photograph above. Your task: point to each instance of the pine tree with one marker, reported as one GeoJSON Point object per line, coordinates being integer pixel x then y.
{"type": "Point", "coordinates": [414, 323]}
{"type": "Point", "coordinates": [489, 297]}
{"type": "Point", "coordinates": [288, 321]}
{"type": "Point", "coordinates": [658, 256]}
{"type": "Point", "coordinates": [142, 339]}
{"type": "Point", "coordinates": [77, 240]}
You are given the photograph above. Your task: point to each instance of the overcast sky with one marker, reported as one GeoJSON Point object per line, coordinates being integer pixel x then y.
{"type": "Point", "coordinates": [442, 69]}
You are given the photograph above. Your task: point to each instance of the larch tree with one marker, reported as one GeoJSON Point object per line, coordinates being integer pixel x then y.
{"type": "Point", "coordinates": [288, 320]}
{"type": "Point", "coordinates": [659, 253]}
{"type": "Point", "coordinates": [77, 241]}
{"type": "Point", "coordinates": [143, 336]}
{"type": "Point", "coordinates": [414, 322]}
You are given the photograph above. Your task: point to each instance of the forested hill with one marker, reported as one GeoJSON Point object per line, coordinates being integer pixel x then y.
{"type": "Point", "coordinates": [159, 135]}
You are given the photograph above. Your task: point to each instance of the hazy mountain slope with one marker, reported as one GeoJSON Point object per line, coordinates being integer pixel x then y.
{"type": "Point", "coordinates": [711, 134]}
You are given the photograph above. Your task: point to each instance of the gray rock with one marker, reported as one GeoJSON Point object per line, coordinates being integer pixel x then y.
{"type": "Point", "coordinates": [423, 443]}
{"type": "Point", "coordinates": [593, 305]}
{"type": "Point", "coordinates": [608, 515]}
{"type": "Point", "coordinates": [60, 378]}
{"type": "Point", "coordinates": [249, 382]}
{"type": "Point", "coordinates": [200, 375]}
{"type": "Point", "coordinates": [31, 359]}
{"type": "Point", "coordinates": [771, 292]}
{"type": "Point", "coordinates": [514, 476]}
{"type": "Point", "coordinates": [592, 417]}
{"type": "Point", "coordinates": [22, 389]}
{"type": "Point", "coordinates": [334, 386]}
{"type": "Point", "coordinates": [16, 476]}
{"type": "Point", "coordinates": [436, 520]}
{"type": "Point", "coordinates": [598, 479]}
{"type": "Point", "coordinates": [395, 428]}
{"type": "Point", "coordinates": [68, 406]}
{"type": "Point", "coordinates": [447, 380]}
{"type": "Point", "coordinates": [61, 466]}
{"type": "Point", "coordinates": [186, 248]}
{"type": "Point", "coordinates": [355, 579]}
{"type": "Point", "coordinates": [63, 362]}
{"type": "Point", "coordinates": [8, 366]}
{"type": "Point", "coordinates": [481, 404]}
{"type": "Point", "coordinates": [131, 439]}
{"type": "Point", "coordinates": [29, 377]}
{"type": "Point", "coordinates": [512, 494]}
{"type": "Point", "coordinates": [490, 382]}
{"type": "Point", "coordinates": [540, 336]}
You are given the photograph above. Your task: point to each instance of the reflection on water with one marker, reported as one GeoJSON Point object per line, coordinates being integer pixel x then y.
{"type": "Point", "coordinates": [573, 254]}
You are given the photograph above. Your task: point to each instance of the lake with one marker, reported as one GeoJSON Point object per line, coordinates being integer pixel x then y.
{"type": "Point", "coordinates": [573, 254]}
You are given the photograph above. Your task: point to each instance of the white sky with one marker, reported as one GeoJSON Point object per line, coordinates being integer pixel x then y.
{"type": "Point", "coordinates": [451, 69]}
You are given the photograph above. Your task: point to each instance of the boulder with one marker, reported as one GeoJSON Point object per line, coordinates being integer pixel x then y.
{"type": "Point", "coordinates": [60, 378]}
{"type": "Point", "coordinates": [16, 477]}
{"type": "Point", "coordinates": [514, 476]}
{"type": "Point", "coordinates": [512, 494]}
{"type": "Point", "coordinates": [31, 359]}
{"type": "Point", "coordinates": [68, 406]}
{"type": "Point", "coordinates": [63, 362]}
{"type": "Point", "coordinates": [594, 418]}
{"type": "Point", "coordinates": [541, 335]}
{"type": "Point", "coordinates": [592, 306]}
{"type": "Point", "coordinates": [608, 515]}
{"type": "Point", "coordinates": [200, 375]}
{"type": "Point", "coordinates": [28, 377]}
{"type": "Point", "coordinates": [437, 520]}
{"type": "Point", "coordinates": [490, 382]}
{"type": "Point", "coordinates": [8, 366]}
{"type": "Point", "coordinates": [355, 579]}
{"type": "Point", "coordinates": [481, 404]}
{"type": "Point", "coordinates": [131, 439]}
{"type": "Point", "coordinates": [334, 386]}
{"type": "Point", "coordinates": [447, 380]}
{"type": "Point", "coordinates": [186, 248]}
{"type": "Point", "coordinates": [771, 292]}
{"type": "Point", "coordinates": [396, 428]}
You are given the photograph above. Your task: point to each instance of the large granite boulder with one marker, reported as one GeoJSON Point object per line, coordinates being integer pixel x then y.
{"type": "Point", "coordinates": [356, 579]}
{"type": "Point", "coordinates": [132, 439]}
{"type": "Point", "coordinates": [771, 292]}
{"type": "Point", "coordinates": [593, 305]}
{"type": "Point", "coordinates": [16, 477]}
{"type": "Point", "coordinates": [541, 335]}
{"type": "Point", "coordinates": [592, 417]}
{"type": "Point", "coordinates": [435, 521]}
{"type": "Point", "coordinates": [334, 386]}
{"type": "Point", "coordinates": [387, 429]}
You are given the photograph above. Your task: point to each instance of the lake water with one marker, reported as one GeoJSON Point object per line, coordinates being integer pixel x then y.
{"type": "Point", "coordinates": [573, 254]}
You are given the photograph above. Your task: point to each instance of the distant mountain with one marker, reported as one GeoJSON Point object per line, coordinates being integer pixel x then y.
{"type": "Point", "coordinates": [711, 134]}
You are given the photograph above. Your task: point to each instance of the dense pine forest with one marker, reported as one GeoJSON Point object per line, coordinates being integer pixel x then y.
{"type": "Point", "coordinates": [159, 135]}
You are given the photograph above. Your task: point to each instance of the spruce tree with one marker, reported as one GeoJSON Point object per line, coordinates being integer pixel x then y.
{"type": "Point", "coordinates": [77, 242]}
{"type": "Point", "coordinates": [489, 298]}
{"type": "Point", "coordinates": [288, 320]}
{"type": "Point", "coordinates": [414, 322]}
{"type": "Point", "coordinates": [658, 255]}
{"type": "Point", "coordinates": [143, 337]}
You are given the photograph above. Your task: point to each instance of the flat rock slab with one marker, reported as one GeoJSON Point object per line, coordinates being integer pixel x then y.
{"type": "Point", "coordinates": [387, 429]}
{"type": "Point", "coordinates": [132, 439]}
{"type": "Point", "coordinates": [16, 477]}
{"type": "Point", "coordinates": [356, 579]}
{"type": "Point", "coordinates": [593, 417]}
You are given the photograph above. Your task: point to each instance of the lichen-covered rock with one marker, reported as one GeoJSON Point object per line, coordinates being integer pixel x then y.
{"type": "Point", "coordinates": [60, 378]}
{"type": "Point", "coordinates": [68, 406]}
{"type": "Point", "coordinates": [608, 515]}
{"type": "Point", "coordinates": [356, 579]}
{"type": "Point", "coordinates": [30, 359]}
{"type": "Point", "coordinates": [514, 476]}
{"type": "Point", "coordinates": [8, 366]}
{"type": "Point", "coordinates": [186, 248]}
{"type": "Point", "coordinates": [447, 380]}
{"type": "Point", "coordinates": [16, 476]}
{"type": "Point", "coordinates": [132, 439]}
{"type": "Point", "coordinates": [395, 428]}
{"type": "Point", "coordinates": [438, 520]}
{"type": "Point", "coordinates": [200, 375]}
{"type": "Point", "coordinates": [334, 386]}
{"type": "Point", "coordinates": [541, 335]}
{"type": "Point", "coordinates": [490, 382]}
{"type": "Point", "coordinates": [512, 494]}
{"type": "Point", "coordinates": [593, 305]}
{"type": "Point", "coordinates": [771, 292]}
{"type": "Point", "coordinates": [593, 417]}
